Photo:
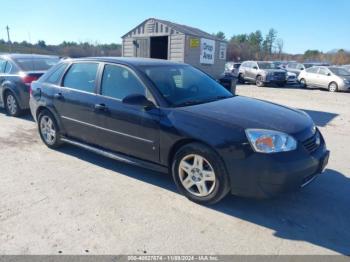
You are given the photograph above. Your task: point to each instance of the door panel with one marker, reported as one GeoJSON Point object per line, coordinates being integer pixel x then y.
{"type": "Point", "coordinates": [129, 129]}
{"type": "Point", "coordinates": [75, 101]}
{"type": "Point", "coordinates": [77, 113]}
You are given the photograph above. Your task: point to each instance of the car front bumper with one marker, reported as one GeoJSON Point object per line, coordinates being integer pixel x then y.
{"type": "Point", "coordinates": [267, 175]}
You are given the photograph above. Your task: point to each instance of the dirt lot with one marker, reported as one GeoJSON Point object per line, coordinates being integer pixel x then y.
{"type": "Point", "coordinates": [71, 201]}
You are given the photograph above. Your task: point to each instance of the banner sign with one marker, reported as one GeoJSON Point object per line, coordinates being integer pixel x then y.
{"type": "Point", "coordinates": [207, 51]}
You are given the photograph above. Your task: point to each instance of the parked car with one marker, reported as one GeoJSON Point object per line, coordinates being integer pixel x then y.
{"type": "Point", "coordinates": [296, 68]}
{"type": "Point", "coordinates": [291, 78]}
{"type": "Point", "coordinates": [261, 73]}
{"type": "Point", "coordinates": [347, 67]}
{"type": "Point", "coordinates": [333, 78]}
{"type": "Point", "coordinates": [232, 68]}
{"type": "Point", "coordinates": [174, 118]}
{"type": "Point", "coordinates": [17, 71]}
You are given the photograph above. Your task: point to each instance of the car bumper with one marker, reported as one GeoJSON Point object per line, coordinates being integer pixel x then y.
{"type": "Point", "coordinates": [267, 175]}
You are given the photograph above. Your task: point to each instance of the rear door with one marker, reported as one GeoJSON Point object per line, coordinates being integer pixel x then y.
{"type": "Point", "coordinates": [128, 129]}
{"type": "Point", "coordinates": [322, 79]}
{"type": "Point", "coordinates": [311, 76]}
{"type": "Point", "coordinates": [75, 101]}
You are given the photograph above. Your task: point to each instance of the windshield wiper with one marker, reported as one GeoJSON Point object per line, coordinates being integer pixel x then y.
{"type": "Point", "coordinates": [190, 103]}
{"type": "Point", "coordinates": [196, 102]}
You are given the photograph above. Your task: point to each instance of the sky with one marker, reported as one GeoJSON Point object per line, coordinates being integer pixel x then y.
{"type": "Point", "coordinates": [302, 24]}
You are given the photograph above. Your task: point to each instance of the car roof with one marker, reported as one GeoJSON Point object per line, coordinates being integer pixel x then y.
{"type": "Point", "coordinates": [133, 61]}
{"type": "Point", "coordinates": [14, 56]}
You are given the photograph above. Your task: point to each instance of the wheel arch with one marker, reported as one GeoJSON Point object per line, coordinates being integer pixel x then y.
{"type": "Point", "coordinates": [184, 142]}
{"type": "Point", "coordinates": [41, 108]}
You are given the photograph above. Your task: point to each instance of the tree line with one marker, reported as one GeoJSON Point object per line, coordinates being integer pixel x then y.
{"type": "Point", "coordinates": [256, 46]}
{"type": "Point", "coordinates": [65, 49]}
{"type": "Point", "coordinates": [241, 47]}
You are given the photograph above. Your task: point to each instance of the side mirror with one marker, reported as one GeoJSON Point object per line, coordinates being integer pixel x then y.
{"type": "Point", "coordinates": [255, 67]}
{"type": "Point", "coordinates": [302, 68]}
{"type": "Point", "coordinates": [138, 100]}
{"type": "Point", "coordinates": [329, 74]}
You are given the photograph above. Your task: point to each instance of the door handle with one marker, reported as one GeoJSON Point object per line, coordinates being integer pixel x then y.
{"type": "Point", "coordinates": [101, 107]}
{"type": "Point", "coordinates": [58, 96]}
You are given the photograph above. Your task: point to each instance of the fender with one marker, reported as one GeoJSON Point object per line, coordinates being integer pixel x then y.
{"type": "Point", "coordinates": [7, 86]}
{"type": "Point", "coordinates": [44, 104]}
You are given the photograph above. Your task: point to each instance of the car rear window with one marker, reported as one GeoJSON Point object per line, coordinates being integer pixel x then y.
{"type": "Point", "coordinates": [36, 63]}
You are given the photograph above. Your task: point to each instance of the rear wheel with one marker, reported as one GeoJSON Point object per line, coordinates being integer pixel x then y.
{"type": "Point", "coordinates": [199, 174]}
{"type": "Point", "coordinates": [11, 104]}
{"type": "Point", "coordinates": [303, 83]}
{"type": "Point", "coordinates": [333, 87]}
{"type": "Point", "coordinates": [241, 79]}
{"type": "Point", "coordinates": [259, 81]}
{"type": "Point", "coordinates": [48, 129]}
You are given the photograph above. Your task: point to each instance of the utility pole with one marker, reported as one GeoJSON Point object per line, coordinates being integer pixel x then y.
{"type": "Point", "coordinates": [8, 37]}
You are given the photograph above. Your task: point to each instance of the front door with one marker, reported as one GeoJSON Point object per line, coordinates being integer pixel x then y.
{"type": "Point", "coordinates": [128, 129]}
{"type": "Point", "coordinates": [75, 101]}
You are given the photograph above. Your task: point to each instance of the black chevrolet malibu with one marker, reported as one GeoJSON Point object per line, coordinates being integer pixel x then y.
{"type": "Point", "coordinates": [174, 118]}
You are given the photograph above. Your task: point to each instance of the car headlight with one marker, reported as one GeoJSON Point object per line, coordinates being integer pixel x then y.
{"type": "Point", "coordinates": [269, 141]}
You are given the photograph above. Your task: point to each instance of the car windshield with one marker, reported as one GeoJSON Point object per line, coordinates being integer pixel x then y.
{"type": "Point", "coordinates": [183, 85]}
{"type": "Point", "coordinates": [266, 65]}
{"type": "Point", "coordinates": [339, 71]}
{"type": "Point", "coordinates": [36, 63]}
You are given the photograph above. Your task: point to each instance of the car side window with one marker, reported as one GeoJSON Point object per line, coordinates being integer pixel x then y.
{"type": "Point", "coordinates": [8, 67]}
{"type": "Point", "coordinates": [119, 82]}
{"type": "Point", "coordinates": [323, 71]}
{"type": "Point", "coordinates": [56, 75]}
{"type": "Point", "coordinates": [81, 76]}
{"type": "Point", "coordinates": [2, 65]}
{"type": "Point", "coordinates": [312, 70]}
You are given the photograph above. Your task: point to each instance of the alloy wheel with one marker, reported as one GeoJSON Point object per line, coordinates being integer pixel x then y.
{"type": "Point", "coordinates": [333, 87]}
{"type": "Point", "coordinates": [11, 104]}
{"type": "Point", "coordinates": [197, 175]}
{"type": "Point", "coordinates": [47, 129]}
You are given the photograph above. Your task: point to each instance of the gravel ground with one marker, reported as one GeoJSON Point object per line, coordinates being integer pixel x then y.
{"type": "Point", "coordinates": [71, 201]}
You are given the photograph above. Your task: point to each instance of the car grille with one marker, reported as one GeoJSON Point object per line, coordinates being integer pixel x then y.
{"type": "Point", "coordinates": [279, 75]}
{"type": "Point", "coordinates": [291, 77]}
{"type": "Point", "coordinates": [311, 144]}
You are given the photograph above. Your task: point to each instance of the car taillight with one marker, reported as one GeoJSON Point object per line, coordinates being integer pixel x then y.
{"type": "Point", "coordinates": [28, 79]}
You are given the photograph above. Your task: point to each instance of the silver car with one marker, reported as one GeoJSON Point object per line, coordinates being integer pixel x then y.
{"type": "Point", "coordinates": [333, 78]}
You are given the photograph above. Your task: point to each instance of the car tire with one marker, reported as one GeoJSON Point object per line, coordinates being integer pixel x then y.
{"type": "Point", "coordinates": [199, 174]}
{"type": "Point", "coordinates": [259, 81]}
{"type": "Point", "coordinates": [12, 106]}
{"type": "Point", "coordinates": [48, 129]}
{"type": "Point", "coordinates": [241, 79]}
{"type": "Point", "coordinates": [303, 83]}
{"type": "Point", "coordinates": [333, 87]}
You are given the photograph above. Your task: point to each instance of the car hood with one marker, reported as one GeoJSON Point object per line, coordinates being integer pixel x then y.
{"type": "Point", "coordinates": [243, 112]}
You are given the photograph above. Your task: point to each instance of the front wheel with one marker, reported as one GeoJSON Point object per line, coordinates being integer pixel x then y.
{"type": "Point", "coordinates": [333, 87]}
{"type": "Point", "coordinates": [11, 104]}
{"type": "Point", "coordinates": [48, 129]}
{"type": "Point", "coordinates": [259, 81]}
{"type": "Point", "coordinates": [199, 174]}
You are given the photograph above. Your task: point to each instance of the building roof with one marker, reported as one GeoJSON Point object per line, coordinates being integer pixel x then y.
{"type": "Point", "coordinates": [184, 29]}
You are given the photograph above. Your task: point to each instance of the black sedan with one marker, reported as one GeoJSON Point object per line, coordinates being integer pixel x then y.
{"type": "Point", "coordinates": [174, 118]}
{"type": "Point", "coordinates": [17, 71]}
